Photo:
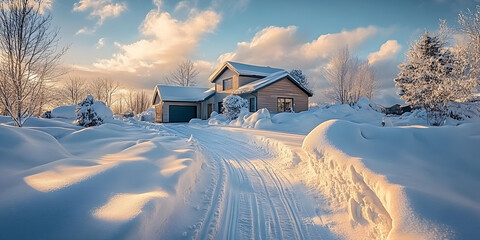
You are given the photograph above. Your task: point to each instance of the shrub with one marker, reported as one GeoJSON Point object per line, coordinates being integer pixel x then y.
{"type": "Point", "coordinates": [232, 106]}
{"type": "Point", "coordinates": [86, 115]}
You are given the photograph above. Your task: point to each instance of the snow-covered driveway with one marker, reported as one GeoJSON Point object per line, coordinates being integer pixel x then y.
{"type": "Point", "coordinates": [248, 197]}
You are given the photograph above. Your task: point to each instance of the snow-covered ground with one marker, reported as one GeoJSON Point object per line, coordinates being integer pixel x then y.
{"type": "Point", "coordinates": [328, 173]}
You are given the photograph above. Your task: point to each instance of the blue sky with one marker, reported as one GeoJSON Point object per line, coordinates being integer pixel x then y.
{"type": "Point", "coordinates": [137, 42]}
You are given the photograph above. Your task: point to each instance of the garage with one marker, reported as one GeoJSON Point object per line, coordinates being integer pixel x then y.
{"type": "Point", "coordinates": [178, 113]}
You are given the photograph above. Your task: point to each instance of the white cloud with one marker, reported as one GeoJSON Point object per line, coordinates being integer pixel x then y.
{"type": "Point", "coordinates": [101, 9]}
{"type": "Point", "coordinates": [387, 51]}
{"type": "Point", "coordinates": [100, 43]}
{"type": "Point", "coordinates": [166, 40]}
{"type": "Point", "coordinates": [282, 47]}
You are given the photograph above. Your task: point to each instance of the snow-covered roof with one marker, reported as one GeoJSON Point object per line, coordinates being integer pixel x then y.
{"type": "Point", "coordinates": [183, 94]}
{"type": "Point", "coordinates": [252, 70]}
{"type": "Point", "coordinates": [270, 79]}
{"type": "Point", "coordinates": [245, 70]}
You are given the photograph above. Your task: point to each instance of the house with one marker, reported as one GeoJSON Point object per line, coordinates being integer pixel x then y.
{"type": "Point", "coordinates": [263, 87]}
{"type": "Point", "coordinates": [397, 109]}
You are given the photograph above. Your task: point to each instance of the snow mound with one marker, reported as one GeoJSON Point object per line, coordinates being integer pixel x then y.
{"type": "Point", "coordinates": [374, 173]}
{"type": "Point", "coordinates": [68, 111]}
{"type": "Point", "coordinates": [111, 181]}
{"type": "Point", "coordinates": [217, 119]}
{"type": "Point", "coordinates": [147, 116]}
{"type": "Point", "coordinates": [24, 148]}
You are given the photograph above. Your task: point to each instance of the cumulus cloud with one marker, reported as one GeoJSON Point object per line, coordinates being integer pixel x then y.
{"type": "Point", "coordinates": [165, 41]}
{"type": "Point", "coordinates": [281, 46]}
{"type": "Point", "coordinates": [101, 9]}
{"type": "Point", "coordinates": [387, 51]}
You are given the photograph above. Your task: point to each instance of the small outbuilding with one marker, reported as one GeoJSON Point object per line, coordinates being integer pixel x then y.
{"type": "Point", "coordinates": [179, 104]}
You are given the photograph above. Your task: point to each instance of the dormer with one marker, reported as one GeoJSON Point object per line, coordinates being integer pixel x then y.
{"type": "Point", "coordinates": [232, 75]}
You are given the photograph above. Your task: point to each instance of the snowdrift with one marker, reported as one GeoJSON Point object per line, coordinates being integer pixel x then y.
{"type": "Point", "coordinates": [68, 111]}
{"type": "Point", "coordinates": [113, 181]}
{"type": "Point", "coordinates": [400, 183]}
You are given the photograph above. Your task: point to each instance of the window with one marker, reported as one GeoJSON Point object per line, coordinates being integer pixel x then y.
{"type": "Point", "coordinates": [227, 84]}
{"type": "Point", "coordinates": [220, 107]}
{"type": "Point", "coordinates": [253, 105]}
{"type": "Point", "coordinates": [284, 104]}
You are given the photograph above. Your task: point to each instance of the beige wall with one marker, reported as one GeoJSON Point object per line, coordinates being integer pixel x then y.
{"type": "Point", "coordinates": [267, 97]}
{"type": "Point", "coordinates": [226, 74]}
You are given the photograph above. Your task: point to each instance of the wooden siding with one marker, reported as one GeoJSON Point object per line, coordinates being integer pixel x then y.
{"type": "Point", "coordinates": [225, 75]}
{"type": "Point", "coordinates": [158, 112]}
{"type": "Point", "coordinates": [267, 97]}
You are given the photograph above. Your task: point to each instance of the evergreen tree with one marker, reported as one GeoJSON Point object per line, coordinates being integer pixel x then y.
{"type": "Point", "coordinates": [86, 115]}
{"type": "Point", "coordinates": [431, 77]}
{"type": "Point", "coordinates": [298, 75]}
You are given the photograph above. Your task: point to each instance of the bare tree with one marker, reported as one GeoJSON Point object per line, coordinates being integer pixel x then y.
{"type": "Point", "coordinates": [103, 89]}
{"type": "Point", "coordinates": [469, 49]}
{"type": "Point", "coordinates": [74, 90]}
{"type": "Point", "coordinates": [29, 56]}
{"type": "Point", "coordinates": [349, 77]}
{"type": "Point", "coordinates": [138, 101]}
{"type": "Point", "coordinates": [184, 75]}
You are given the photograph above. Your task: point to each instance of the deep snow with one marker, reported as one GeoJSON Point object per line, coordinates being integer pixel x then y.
{"type": "Point", "coordinates": [327, 173]}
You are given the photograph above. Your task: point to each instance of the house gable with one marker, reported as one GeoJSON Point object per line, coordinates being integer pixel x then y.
{"type": "Point", "coordinates": [267, 96]}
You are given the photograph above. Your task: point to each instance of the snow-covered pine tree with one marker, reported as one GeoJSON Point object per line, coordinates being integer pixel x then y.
{"type": "Point", "coordinates": [233, 106]}
{"type": "Point", "coordinates": [301, 78]}
{"type": "Point", "coordinates": [431, 77]}
{"type": "Point", "coordinates": [86, 115]}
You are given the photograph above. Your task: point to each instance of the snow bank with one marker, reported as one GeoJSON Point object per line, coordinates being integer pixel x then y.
{"type": "Point", "coordinates": [302, 123]}
{"type": "Point", "coordinates": [107, 182]}
{"type": "Point", "coordinates": [399, 183]}
{"type": "Point", "coordinates": [68, 111]}
{"type": "Point", "coordinates": [24, 148]}
{"type": "Point", "coordinates": [147, 116]}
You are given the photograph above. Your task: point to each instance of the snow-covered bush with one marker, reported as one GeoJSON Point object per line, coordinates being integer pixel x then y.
{"type": "Point", "coordinates": [147, 116]}
{"type": "Point", "coordinates": [128, 114]}
{"type": "Point", "coordinates": [464, 111]}
{"type": "Point", "coordinates": [233, 105]}
{"type": "Point", "coordinates": [86, 115]}
{"type": "Point", "coordinates": [47, 114]}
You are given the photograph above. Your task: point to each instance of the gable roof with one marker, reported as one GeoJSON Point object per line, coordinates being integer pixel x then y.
{"type": "Point", "coordinates": [268, 80]}
{"type": "Point", "coordinates": [243, 69]}
{"type": "Point", "coordinates": [182, 94]}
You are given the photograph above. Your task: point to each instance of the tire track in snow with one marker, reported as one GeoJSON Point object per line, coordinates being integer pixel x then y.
{"type": "Point", "coordinates": [251, 200]}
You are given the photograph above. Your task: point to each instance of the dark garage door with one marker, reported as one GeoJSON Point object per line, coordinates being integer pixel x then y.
{"type": "Point", "coordinates": [181, 113]}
